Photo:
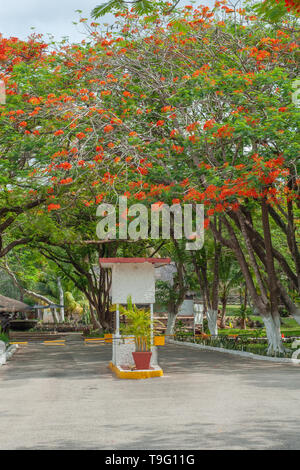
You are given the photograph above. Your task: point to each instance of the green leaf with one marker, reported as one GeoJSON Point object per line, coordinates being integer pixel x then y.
{"type": "Point", "coordinates": [101, 10]}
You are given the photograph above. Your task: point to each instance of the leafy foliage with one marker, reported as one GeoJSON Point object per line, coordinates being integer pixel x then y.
{"type": "Point", "coordinates": [275, 10]}
{"type": "Point", "coordinates": [139, 325]}
{"type": "Point", "coordinates": [4, 337]}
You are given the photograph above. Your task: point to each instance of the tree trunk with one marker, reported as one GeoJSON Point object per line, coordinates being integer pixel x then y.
{"type": "Point", "coordinates": [223, 316]}
{"type": "Point", "coordinates": [171, 323]}
{"type": "Point", "coordinates": [61, 300]}
{"type": "Point", "coordinates": [181, 288]}
{"type": "Point", "coordinates": [95, 322]}
{"type": "Point", "coordinates": [293, 309]}
{"type": "Point", "coordinates": [245, 303]}
{"type": "Point", "coordinates": [54, 315]}
{"type": "Point", "coordinates": [244, 307]}
{"type": "Point", "coordinates": [215, 285]}
{"type": "Point", "coordinates": [272, 280]}
{"type": "Point", "coordinates": [212, 316]}
{"type": "Point", "coordinates": [273, 334]}
{"type": "Point", "coordinates": [101, 317]}
{"type": "Point", "coordinates": [260, 301]}
{"type": "Point", "coordinates": [40, 314]}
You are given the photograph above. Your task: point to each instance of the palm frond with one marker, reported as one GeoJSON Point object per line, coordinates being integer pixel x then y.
{"type": "Point", "coordinates": [141, 7]}
{"type": "Point", "coordinates": [101, 10]}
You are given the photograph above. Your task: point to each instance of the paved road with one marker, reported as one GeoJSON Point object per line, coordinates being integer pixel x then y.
{"type": "Point", "coordinates": [65, 398]}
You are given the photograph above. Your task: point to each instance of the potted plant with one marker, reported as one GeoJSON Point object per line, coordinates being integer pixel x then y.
{"type": "Point", "coordinates": [142, 354]}
{"type": "Point", "coordinates": [139, 325]}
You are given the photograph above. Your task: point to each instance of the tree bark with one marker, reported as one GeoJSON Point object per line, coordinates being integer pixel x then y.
{"type": "Point", "coordinates": [94, 320]}
{"type": "Point", "coordinates": [171, 322]}
{"type": "Point", "coordinates": [210, 291]}
{"type": "Point", "coordinates": [293, 309]}
{"type": "Point", "coordinates": [223, 315]}
{"type": "Point", "coordinates": [212, 316]}
{"type": "Point", "coordinates": [260, 302]}
{"type": "Point", "coordinates": [54, 315]}
{"type": "Point", "coordinates": [61, 300]}
{"type": "Point", "coordinates": [272, 325]}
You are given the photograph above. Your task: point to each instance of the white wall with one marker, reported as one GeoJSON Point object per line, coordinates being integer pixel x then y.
{"type": "Point", "coordinates": [135, 280]}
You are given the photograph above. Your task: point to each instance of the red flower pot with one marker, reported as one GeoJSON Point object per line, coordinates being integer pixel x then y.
{"type": "Point", "coordinates": [142, 360]}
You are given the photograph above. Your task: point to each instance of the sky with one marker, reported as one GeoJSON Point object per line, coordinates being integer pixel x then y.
{"type": "Point", "coordinates": [17, 17]}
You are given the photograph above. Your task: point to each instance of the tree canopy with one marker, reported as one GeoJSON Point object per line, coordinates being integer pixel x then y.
{"type": "Point", "coordinates": [168, 106]}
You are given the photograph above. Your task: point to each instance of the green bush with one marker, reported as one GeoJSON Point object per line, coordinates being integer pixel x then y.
{"type": "Point", "coordinates": [238, 343]}
{"type": "Point", "coordinates": [4, 337]}
{"type": "Point", "coordinates": [138, 324]}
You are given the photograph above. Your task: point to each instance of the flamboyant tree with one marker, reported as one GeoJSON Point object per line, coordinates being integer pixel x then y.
{"type": "Point", "coordinates": [192, 106]}
{"type": "Point", "coordinates": [209, 110]}
{"type": "Point", "coordinates": [271, 9]}
{"type": "Point", "coordinates": [16, 161]}
{"type": "Point", "coordinates": [274, 10]}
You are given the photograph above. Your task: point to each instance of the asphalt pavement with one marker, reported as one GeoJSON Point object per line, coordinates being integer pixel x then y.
{"type": "Point", "coordinates": [65, 397]}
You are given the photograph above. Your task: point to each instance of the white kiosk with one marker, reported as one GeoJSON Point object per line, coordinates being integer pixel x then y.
{"type": "Point", "coordinates": [132, 277]}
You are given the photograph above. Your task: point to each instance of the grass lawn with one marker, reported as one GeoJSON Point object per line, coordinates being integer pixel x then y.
{"type": "Point", "coordinates": [289, 328]}
{"type": "Point", "coordinates": [232, 310]}
{"type": "Point", "coordinates": [251, 340]}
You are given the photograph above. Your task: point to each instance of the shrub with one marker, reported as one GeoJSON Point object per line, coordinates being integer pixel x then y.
{"type": "Point", "coordinates": [4, 337]}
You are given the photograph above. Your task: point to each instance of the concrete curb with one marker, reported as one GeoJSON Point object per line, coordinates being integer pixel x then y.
{"type": "Point", "coordinates": [237, 353]}
{"type": "Point", "coordinates": [10, 351]}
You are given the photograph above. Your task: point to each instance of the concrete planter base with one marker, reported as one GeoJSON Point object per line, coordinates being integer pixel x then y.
{"type": "Point", "coordinates": [121, 373]}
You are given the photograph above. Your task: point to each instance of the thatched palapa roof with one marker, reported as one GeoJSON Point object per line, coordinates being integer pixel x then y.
{"type": "Point", "coordinates": [11, 305]}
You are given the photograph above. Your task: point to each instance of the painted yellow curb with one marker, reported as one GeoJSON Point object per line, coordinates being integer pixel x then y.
{"type": "Point", "coordinates": [108, 338]}
{"type": "Point", "coordinates": [55, 341]}
{"type": "Point", "coordinates": [135, 374]}
{"type": "Point", "coordinates": [19, 342]}
{"type": "Point", "coordinates": [52, 343]}
{"type": "Point", "coordinates": [90, 340]}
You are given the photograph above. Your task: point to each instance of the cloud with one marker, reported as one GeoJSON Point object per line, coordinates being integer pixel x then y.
{"type": "Point", "coordinates": [17, 17]}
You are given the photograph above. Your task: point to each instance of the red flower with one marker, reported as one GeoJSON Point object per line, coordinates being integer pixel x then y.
{"type": "Point", "coordinates": [53, 207]}
{"type": "Point", "coordinates": [209, 124]}
{"type": "Point", "coordinates": [66, 181]}
{"type": "Point", "coordinates": [80, 135]}
{"type": "Point", "coordinates": [65, 166]}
